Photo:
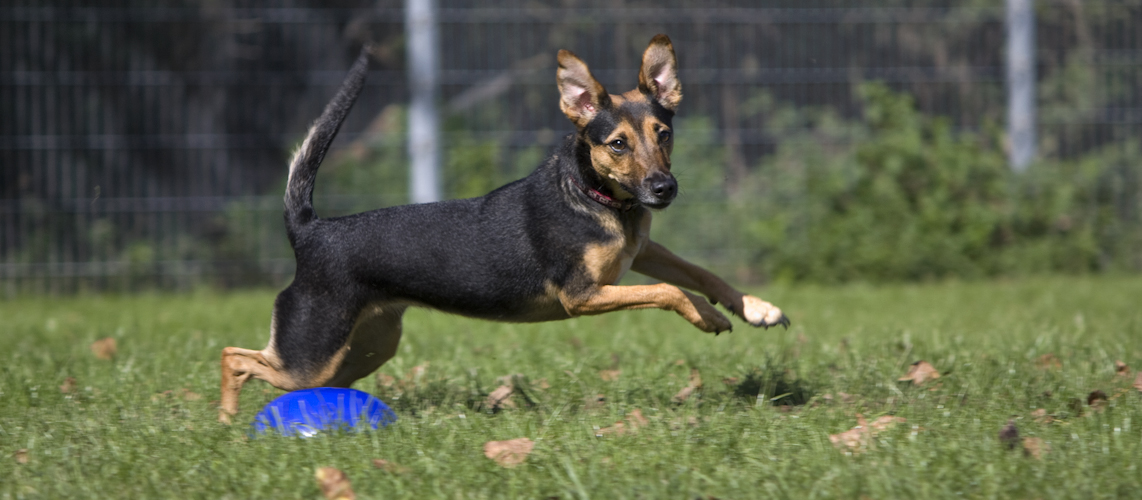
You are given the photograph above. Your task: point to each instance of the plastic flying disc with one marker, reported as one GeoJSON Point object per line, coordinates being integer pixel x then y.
{"type": "Point", "coordinates": [307, 412]}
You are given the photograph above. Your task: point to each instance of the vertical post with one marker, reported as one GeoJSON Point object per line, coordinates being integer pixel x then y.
{"type": "Point", "coordinates": [424, 85]}
{"type": "Point", "coordinates": [1021, 82]}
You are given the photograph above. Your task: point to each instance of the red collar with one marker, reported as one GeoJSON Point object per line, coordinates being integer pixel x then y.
{"type": "Point", "coordinates": [603, 199]}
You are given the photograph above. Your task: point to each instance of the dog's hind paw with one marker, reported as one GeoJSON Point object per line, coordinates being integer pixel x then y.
{"type": "Point", "coordinates": [761, 313]}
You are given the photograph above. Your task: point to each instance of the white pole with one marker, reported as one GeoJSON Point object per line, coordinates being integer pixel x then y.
{"type": "Point", "coordinates": [424, 85]}
{"type": "Point", "coordinates": [1021, 82]}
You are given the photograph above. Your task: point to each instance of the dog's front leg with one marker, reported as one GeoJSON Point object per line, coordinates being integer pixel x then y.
{"type": "Point", "coordinates": [658, 262]}
{"type": "Point", "coordinates": [609, 298]}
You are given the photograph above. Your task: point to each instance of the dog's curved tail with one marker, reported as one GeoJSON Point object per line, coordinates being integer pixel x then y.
{"type": "Point", "coordinates": [303, 168]}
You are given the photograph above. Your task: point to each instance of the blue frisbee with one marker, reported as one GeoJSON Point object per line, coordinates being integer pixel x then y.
{"type": "Point", "coordinates": [307, 412]}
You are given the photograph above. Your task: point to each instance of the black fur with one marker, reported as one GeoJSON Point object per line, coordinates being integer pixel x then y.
{"type": "Point", "coordinates": [486, 257]}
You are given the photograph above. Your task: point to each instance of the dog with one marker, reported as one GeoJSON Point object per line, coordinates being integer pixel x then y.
{"type": "Point", "coordinates": [550, 246]}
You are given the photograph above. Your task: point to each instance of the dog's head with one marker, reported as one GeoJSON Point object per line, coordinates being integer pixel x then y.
{"type": "Point", "coordinates": [630, 135]}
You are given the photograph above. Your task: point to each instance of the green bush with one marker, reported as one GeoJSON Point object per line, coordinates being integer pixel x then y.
{"type": "Point", "coordinates": [911, 198]}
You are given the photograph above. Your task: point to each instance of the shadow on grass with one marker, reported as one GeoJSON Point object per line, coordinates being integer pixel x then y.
{"type": "Point", "coordinates": [779, 385]}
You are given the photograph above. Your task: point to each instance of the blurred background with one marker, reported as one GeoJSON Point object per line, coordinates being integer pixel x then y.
{"type": "Point", "coordinates": [144, 144]}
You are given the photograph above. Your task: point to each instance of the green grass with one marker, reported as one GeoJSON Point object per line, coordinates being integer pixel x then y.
{"type": "Point", "coordinates": [113, 437]}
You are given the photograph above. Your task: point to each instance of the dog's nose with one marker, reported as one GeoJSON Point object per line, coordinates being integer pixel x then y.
{"type": "Point", "coordinates": [664, 187]}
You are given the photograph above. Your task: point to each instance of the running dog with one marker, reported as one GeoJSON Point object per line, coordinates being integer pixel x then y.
{"type": "Point", "coordinates": [547, 247]}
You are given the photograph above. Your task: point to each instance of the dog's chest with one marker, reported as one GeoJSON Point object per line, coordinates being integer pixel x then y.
{"type": "Point", "coordinates": [609, 261]}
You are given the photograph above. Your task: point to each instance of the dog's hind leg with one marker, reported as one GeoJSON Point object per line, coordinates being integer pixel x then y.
{"type": "Point", "coordinates": [374, 341]}
{"type": "Point", "coordinates": [340, 360]}
{"type": "Point", "coordinates": [238, 365]}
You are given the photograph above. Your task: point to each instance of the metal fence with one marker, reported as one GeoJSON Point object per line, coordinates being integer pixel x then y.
{"type": "Point", "coordinates": [145, 144]}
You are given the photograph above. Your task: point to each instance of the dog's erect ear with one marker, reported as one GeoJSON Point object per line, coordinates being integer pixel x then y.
{"type": "Point", "coordinates": [580, 95]}
{"type": "Point", "coordinates": [658, 77]}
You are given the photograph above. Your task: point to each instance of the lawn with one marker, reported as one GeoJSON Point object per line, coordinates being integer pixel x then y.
{"type": "Point", "coordinates": [759, 425]}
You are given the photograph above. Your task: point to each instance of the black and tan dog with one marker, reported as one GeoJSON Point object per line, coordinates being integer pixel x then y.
{"type": "Point", "coordinates": [549, 246]}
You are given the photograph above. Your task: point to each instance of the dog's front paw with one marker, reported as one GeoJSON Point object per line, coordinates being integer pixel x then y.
{"type": "Point", "coordinates": [703, 315]}
{"type": "Point", "coordinates": [761, 313]}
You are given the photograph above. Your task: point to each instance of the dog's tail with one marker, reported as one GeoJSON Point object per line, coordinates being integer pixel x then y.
{"type": "Point", "coordinates": [303, 168]}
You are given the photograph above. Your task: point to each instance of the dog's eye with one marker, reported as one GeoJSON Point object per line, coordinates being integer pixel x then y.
{"type": "Point", "coordinates": [618, 145]}
{"type": "Point", "coordinates": [663, 135]}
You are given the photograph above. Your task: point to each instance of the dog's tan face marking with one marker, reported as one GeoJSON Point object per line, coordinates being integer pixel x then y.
{"type": "Point", "coordinates": [629, 135]}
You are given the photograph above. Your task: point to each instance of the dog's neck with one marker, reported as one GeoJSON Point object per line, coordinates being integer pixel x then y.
{"type": "Point", "coordinates": [588, 181]}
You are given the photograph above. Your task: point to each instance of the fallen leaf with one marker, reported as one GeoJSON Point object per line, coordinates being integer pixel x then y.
{"type": "Point", "coordinates": [509, 453]}
{"type": "Point", "coordinates": [1048, 362]}
{"type": "Point", "coordinates": [385, 380]}
{"type": "Point", "coordinates": [1009, 435]}
{"type": "Point", "coordinates": [731, 381]}
{"type": "Point", "coordinates": [413, 376]}
{"type": "Point", "coordinates": [854, 439]}
{"type": "Point", "coordinates": [1042, 417]}
{"type": "Point", "coordinates": [104, 348]}
{"type": "Point", "coordinates": [885, 422]}
{"type": "Point", "coordinates": [634, 420]}
{"type": "Point", "coordinates": [610, 375]}
{"type": "Point", "coordinates": [1035, 447]}
{"type": "Point", "coordinates": [334, 484]}
{"type": "Point", "coordinates": [390, 467]}
{"type": "Point", "coordinates": [920, 372]}
{"type": "Point", "coordinates": [1097, 400]}
{"type": "Point", "coordinates": [187, 395]}
{"type": "Point", "coordinates": [1121, 369]}
{"type": "Point", "coordinates": [21, 456]}
{"type": "Point", "coordinates": [693, 386]}
{"type": "Point", "coordinates": [68, 385]}
{"type": "Point", "coordinates": [500, 398]}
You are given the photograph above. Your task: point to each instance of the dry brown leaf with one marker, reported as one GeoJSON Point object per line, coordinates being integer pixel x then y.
{"type": "Point", "coordinates": [500, 398]}
{"type": "Point", "coordinates": [1035, 447]}
{"type": "Point", "coordinates": [1048, 362]}
{"type": "Point", "coordinates": [385, 380]}
{"type": "Point", "coordinates": [1009, 435]}
{"type": "Point", "coordinates": [187, 395]}
{"type": "Point", "coordinates": [21, 456]}
{"type": "Point", "coordinates": [1042, 417]}
{"type": "Point", "coordinates": [920, 372]}
{"type": "Point", "coordinates": [885, 422]}
{"type": "Point", "coordinates": [634, 420]}
{"type": "Point", "coordinates": [854, 439]}
{"type": "Point", "coordinates": [610, 375]}
{"type": "Point", "coordinates": [104, 348]}
{"type": "Point", "coordinates": [334, 484]}
{"type": "Point", "coordinates": [732, 381]}
{"type": "Point", "coordinates": [1121, 369]}
{"type": "Point", "coordinates": [68, 385]}
{"type": "Point", "coordinates": [390, 467]}
{"type": "Point", "coordinates": [858, 438]}
{"type": "Point", "coordinates": [693, 386]}
{"type": "Point", "coordinates": [509, 453]}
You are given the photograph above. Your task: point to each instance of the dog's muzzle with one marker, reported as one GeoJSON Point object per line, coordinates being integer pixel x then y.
{"type": "Point", "coordinates": [658, 190]}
